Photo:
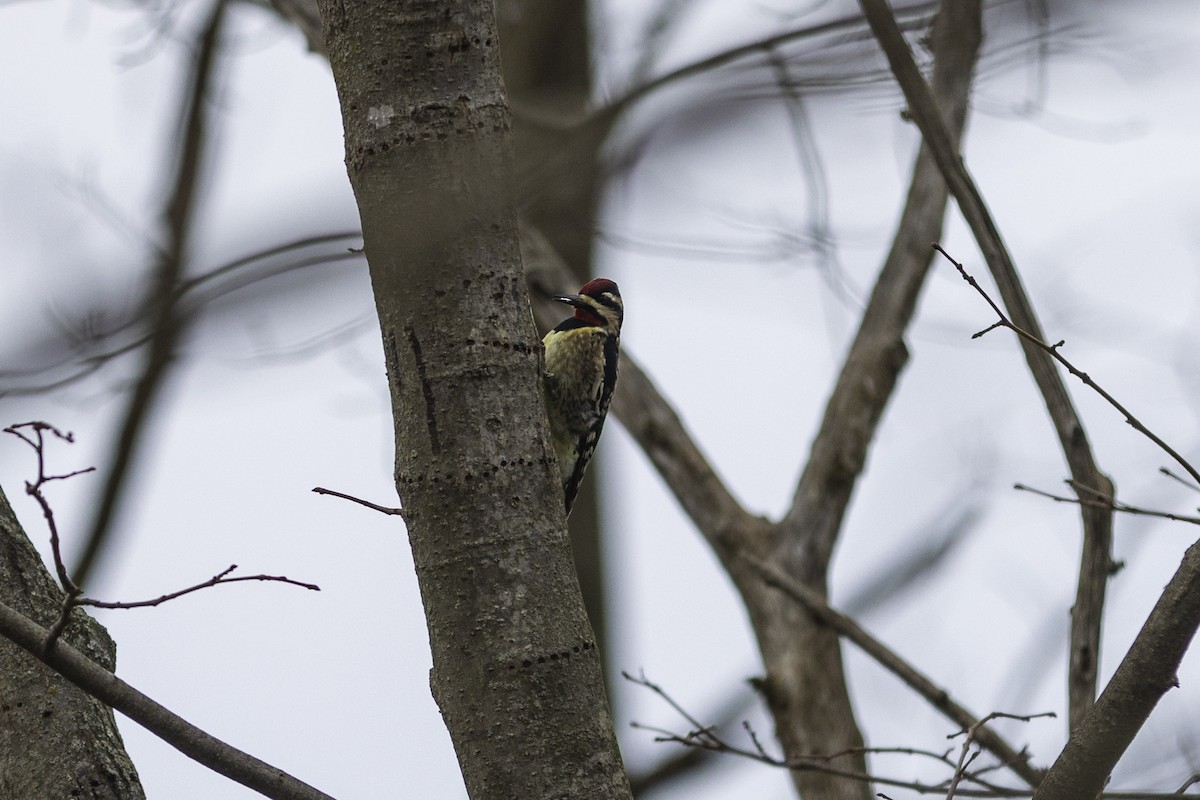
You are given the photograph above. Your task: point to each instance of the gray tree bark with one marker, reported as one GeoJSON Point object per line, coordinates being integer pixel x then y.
{"type": "Point", "coordinates": [516, 671]}
{"type": "Point", "coordinates": [1146, 673]}
{"type": "Point", "coordinates": [545, 50]}
{"type": "Point", "coordinates": [55, 740]}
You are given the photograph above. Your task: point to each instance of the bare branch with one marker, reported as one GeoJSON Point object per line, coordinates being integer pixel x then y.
{"type": "Point", "coordinates": [960, 769]}
{"type": "Point", "coordinates": [216, 580]}
{"type": "Point", "coordinates": [642, 680]}
{"type": "Point", "coordinates": [939, 698]}
{"type": "Point", "coordinates": [1173, 476]}
{"type": "Point", "coordinates": [72, 593]}
{"type": "Point", "coordinates": [70, 600]}
{"type": "Point", "coordinates": [878, 353]}
{"type": "Point", "coordinates": [36, 440]}
{"type": "Point", "coordinates": [705, 738]}
{"type": "Point", "coordinates": [171, 728]}
{"type": "Point", "coordinates": [965, 760]}
{"type": "Point", "coordinates": [373, 506]}
{"type": "Point", "coordinates": [689, 760]}
{"type": "Point", "coordinates": [1105, 501]}
{"type": "Point", "coordinates": [166, 324]}
{"type": "Point", "coordinates": [1096, 557]}
{"type": "Point", "coordinates": [1145, 674]}
{"type": "Point", "coordinates": [1055, 351]}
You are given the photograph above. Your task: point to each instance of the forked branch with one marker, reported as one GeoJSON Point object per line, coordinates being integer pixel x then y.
{"type": "Point", "coordinates": [1096, 555]}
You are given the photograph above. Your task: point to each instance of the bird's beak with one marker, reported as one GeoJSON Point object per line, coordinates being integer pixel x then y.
{"type": "Point", "coordinates": [571, 299]}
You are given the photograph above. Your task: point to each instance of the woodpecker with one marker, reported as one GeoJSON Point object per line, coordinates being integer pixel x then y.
{"type": "Point", "coordinates": [581, 371]}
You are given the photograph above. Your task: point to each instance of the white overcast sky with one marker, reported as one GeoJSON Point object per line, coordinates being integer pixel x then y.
{"type": "Point", "coordinates": [1095, 192]}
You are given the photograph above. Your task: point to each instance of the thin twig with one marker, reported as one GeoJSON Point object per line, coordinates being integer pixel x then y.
{"type": "Point", "coordinates": [1189, 484]}
{"type": "Point", "coordinates": [964, 761]}
{"type": "Point", "coordinates": [705, 737]}
{"type": "Point", "coordinates": [72, 594]}
{"type": "Point", "coordinates": [1104, 501]}
{"type": "Point", "coordinates": [970, 732]}
{"type": "Point", "coordinates": [1055, 351]}
{"type": "Point", "coordinates": [960, 769]}
{"type": "Point", "coordinates": [69, 601]}
{"type": "Point", "coordinates": [37, 441]}
{"type": "Point", "coordinates": [360, 501]}
{"type": "Point", "coordinates": [676, 763]}
{"type": "Point", "coordinates": [758, 747]}
{"type": "Point", "coordinates": [641, 680]}
{"type": "Point", "coordinates": [216, 580]}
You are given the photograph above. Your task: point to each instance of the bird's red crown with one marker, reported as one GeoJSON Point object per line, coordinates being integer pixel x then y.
{"type": "Point", "coordinates": [598, 286]}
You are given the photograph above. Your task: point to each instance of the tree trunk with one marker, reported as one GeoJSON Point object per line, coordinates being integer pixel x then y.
{"type": "Point", "coordinates": [515, 672]}
{"type": "Point", "coordinates": [545, 51]}
{"type": "Point", "coordinates": [55, 741]}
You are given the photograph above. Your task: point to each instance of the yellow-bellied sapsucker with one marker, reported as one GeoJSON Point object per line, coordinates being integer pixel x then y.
{"type": "Point", "coordinates": [581, 371]}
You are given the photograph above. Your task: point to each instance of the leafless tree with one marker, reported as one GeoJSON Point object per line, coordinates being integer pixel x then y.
{"type": "Point", "coordinates": [461, 241]}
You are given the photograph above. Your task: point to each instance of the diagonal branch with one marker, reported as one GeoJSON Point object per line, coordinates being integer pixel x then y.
{"type": "Point", "coordinates": [878, 354]}
{"type": "Point", "coordinates": [166, 323]}
{"type": "Point", "coordinates": [97, 350]}
{"type": "Point", "coordinates": [1144, 675]}
{"type": "Point", "coordinates": [174, 730]}
{"type": "Point", "coordinates": [1097, 522]}
{"type": "Point", "coordinates": [1055, 352]}
{"type": "Point", "coordinates": [939, 698]}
